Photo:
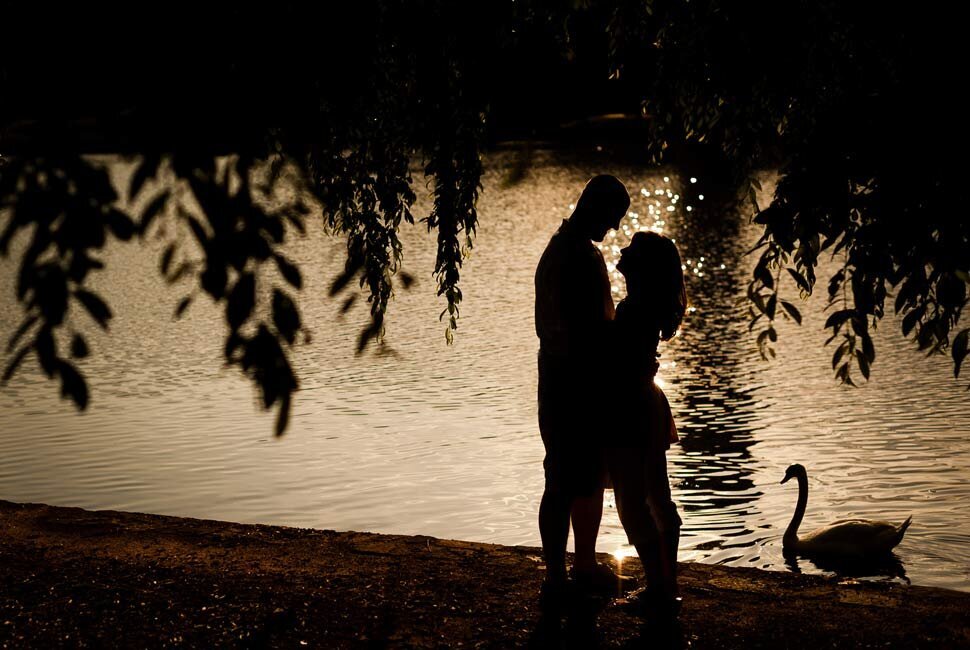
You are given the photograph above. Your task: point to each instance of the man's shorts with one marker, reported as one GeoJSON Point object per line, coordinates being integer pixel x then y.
{"type": "Point", "coordinates": [575, 463]}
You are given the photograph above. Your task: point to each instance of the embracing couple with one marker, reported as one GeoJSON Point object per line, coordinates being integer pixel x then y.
{"type": "Point", "coordinates": [604, 422]}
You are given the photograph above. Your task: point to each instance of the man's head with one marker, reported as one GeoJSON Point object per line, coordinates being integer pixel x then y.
{"type": "Point", "coordinates": [601, 206]}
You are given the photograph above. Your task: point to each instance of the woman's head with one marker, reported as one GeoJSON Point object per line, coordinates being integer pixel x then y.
{"type": "Point", "coordinates": [654, 273]}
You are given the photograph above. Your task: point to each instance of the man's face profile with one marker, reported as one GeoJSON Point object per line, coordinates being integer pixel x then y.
{"type": "Point", "coordinates": [608, 223]}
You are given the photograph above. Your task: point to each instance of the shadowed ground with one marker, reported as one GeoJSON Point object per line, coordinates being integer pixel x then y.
{"type": "Point", "coordinates": [71, 577]}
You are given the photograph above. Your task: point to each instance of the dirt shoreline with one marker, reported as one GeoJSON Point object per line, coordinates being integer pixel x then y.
{"type": "Point", "coordinates": [75, 578]}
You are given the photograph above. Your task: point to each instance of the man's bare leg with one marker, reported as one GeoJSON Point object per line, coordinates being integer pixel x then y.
{"type": "Point", "coordinates": [554, 531]}
{"type": "Point", "coordinates": [586, 515]}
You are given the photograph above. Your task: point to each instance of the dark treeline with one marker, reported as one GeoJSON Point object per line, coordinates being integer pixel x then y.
{"type": "Point", "coordinates": [219, 75]}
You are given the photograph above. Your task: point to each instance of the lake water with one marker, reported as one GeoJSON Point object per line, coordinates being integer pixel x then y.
{"type": "Point", "coordinates": [442, 440]}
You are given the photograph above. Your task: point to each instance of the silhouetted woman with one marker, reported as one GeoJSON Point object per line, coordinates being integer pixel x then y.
{"type": "Point", "coordinates": [651, 312]}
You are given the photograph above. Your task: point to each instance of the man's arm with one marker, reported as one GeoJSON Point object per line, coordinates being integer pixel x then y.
{"type": "Point", "coordinates": [588, 305]}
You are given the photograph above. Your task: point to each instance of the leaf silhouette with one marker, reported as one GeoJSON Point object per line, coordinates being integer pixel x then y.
{"type": "Point", "coordinates": [73, 385]}
{"type": "Point", "coordinates": [289, 271]}
{"type": "Point", "coordinates": [96, 307]}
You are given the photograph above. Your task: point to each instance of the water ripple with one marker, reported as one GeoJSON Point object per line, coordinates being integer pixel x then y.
{"type": "Point", "coordinates": [443, 440]}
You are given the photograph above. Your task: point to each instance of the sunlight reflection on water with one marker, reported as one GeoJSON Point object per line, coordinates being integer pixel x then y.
{"type": "Point", "coordinates": [443, 440]}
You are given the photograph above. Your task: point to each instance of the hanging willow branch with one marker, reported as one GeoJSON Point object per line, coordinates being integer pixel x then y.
{"type": "Point", "coordinates": [370, 98]}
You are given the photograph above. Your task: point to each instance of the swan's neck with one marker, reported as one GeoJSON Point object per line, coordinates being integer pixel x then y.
{"type": "Point", "coordinates": [791, 535]}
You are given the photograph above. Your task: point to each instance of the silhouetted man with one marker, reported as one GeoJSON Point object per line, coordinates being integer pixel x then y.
{"type": "Point", "coordinates": [574, 307]}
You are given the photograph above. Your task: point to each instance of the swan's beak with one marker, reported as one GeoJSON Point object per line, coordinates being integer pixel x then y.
{"type": "Point", "coordinates": [785, 480]}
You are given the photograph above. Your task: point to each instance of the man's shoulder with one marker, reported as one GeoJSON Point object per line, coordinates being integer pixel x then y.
{"type": "Point", "coordinates": [565, 241]}
{"type": "Point", "coordinates": [562, 235]}
{"type": "Point", "coordinates": [556, 248]}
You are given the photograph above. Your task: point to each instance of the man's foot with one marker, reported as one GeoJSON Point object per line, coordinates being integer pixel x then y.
{"type": "Point", "coordinates": [602, 580]}
{"type": "Point", "coordinates": [668, 608]}
{"type": "Point", "coordinates": [651, 606]}
{"type": "Point", "coordinates": [553, 592]}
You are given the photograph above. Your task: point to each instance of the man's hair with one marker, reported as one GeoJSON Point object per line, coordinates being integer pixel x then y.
{"type": "Point", "coordinates": [603, 192]}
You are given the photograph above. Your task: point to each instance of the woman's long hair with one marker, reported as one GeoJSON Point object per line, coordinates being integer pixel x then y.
{"type": "Point", "coordinates": [656, 261]}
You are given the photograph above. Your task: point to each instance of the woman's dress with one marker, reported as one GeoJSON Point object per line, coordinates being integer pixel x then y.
{"type": "Point", "coordinates": [647, 418]}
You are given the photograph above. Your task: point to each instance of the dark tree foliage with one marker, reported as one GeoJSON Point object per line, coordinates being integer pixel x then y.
{"type": "Point", "coordinates": [354, 101]}
{"type": "Point", "coordinates": [856, 105]}
{"type": "Point", "coordinates": [220, 108]}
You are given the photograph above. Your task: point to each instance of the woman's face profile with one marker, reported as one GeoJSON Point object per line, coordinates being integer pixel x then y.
{"type": "Point", "coordinates": [621, 264]}
{"type": "Point", "coordinates": [626, 264]}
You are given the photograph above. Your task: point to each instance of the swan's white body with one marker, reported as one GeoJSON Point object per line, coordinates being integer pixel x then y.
{"type": "Point", "coordinates": [846, 537]}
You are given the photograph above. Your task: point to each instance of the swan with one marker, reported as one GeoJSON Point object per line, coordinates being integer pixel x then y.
{"type": "Point", "coordinates": [846, 537]}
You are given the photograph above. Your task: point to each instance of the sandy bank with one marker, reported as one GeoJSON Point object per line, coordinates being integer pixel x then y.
{"type": "Point", "coordinates": [72, 577]}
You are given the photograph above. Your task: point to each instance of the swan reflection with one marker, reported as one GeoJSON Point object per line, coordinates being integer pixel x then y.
{"type": "Point", "coordinates": [889, 566]}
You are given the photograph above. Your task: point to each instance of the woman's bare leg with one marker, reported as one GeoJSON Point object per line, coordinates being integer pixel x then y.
{"type": "Point", "coordinates": [665, 517]}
